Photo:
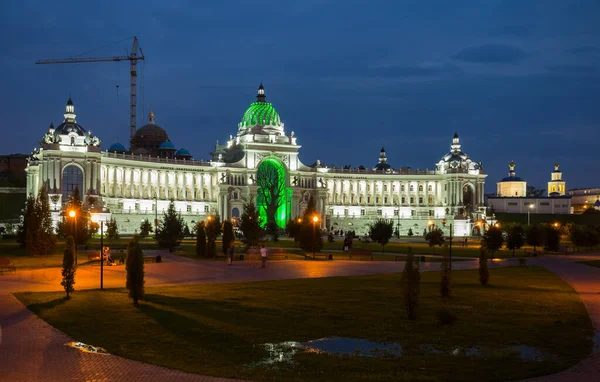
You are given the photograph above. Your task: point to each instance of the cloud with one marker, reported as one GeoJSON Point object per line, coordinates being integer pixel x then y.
{"type": "Point", "coordinates": [584, 49]}
{"type": "Point", "coordinates": [491, 54]}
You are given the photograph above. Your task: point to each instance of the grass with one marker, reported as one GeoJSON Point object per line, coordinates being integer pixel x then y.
{"type": "Point", "coordinates": [218, 329]}
{"type": "Point", "coordinates": [11, 250]}
{"type": "Point", "coordinates": [591, 263]}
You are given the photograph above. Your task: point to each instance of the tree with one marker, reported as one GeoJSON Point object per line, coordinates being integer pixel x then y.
{"type": "Point", "coordinates": [170, 229]}
{"type": "Point", "coordinates": [250, 225]}
{"type": "Point", "coordinates": [228, 236]}
{"type": "Point", "coordinates": [410, 287]}
{"type": "Point", "coordinates": [78, 226]}
{"type": "Point", "coordinates": [112, 229]}
{"type": "Point", "coordinates": [551, 238]}
{"type": "Point", "coordinates": [69, 267]}
{"type": "Point", "coordinates": [213, 230]}
{"type": "Point", "coordinates": [145, 228]}
{"type": "Point", "coordinates": [515, 238]}
{"type": "Point", "coordinates": [493, 239]}
{"type": "Point", "coordinates": [94, 228]}
{"type": "Point", "coordinates": [271, 181]}
{"type": "Point", "coordinates": [186, 231]}
{"type": "Point", "coordinates": [534, 236]}
{"type": "Point", "coordinates": [484, 273]}
{"type": "Point", "coordinates": [292, 228]}
{"type": "Point", "coordinates": [410, 232]}
{"type": "Point", "coordinates": [445, 286]}
{"type": "Point", "coordinates": [45, 241]}
{"type": "Point", "coordinates": [310, 233]}
{"type": "Point", "coordinates": [535, 192]}
{"type": "Point", "coordinates": [29, 219]}
{"type": "Point", "coordinates": [273, 230]}
{"type": "Point", "coordinates": [435, 237]}
{"type": "Point", "coordinates": [135, 270]}
{"type": "Point", "coordinates": [200, 239]}
{"type": "Point", "coordinates": [381, 231]}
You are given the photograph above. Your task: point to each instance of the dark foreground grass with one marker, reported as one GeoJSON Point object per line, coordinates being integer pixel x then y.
{"type": "Point", "coordinates": [218, 329]}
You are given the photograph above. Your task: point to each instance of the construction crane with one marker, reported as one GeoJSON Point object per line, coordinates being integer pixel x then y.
{"type": "Point", "coordinates": [133, 58]}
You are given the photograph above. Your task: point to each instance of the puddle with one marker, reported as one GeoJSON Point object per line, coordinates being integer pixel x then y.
{"type": "Point", "coordinates": [528, 353]}
{"type": "Point", "coordinates": [353, 346]}
{"type": "Point", "coordinates": [429, 349]}
{"type": "Point", "coordinates": [87, 348]}
{"type": "Point", "coordinates": [473, 351]}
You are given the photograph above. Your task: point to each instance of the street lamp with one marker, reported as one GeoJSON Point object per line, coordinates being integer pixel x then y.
{"type": "Point", "coordinates": [73, 215]}
{"type": "Point", "coordinates": [299, 220]}
{"type": "Point", "coordinates": [95, 219]}
{"type": "Point", "coordinates": [430, 225]}
{"type": "Point", "coordinates": [531, 206]}
{"type": "Point", "coordinates": [315, 220]}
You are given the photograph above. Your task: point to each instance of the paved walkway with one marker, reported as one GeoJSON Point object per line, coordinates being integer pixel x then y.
{"type": "Point", "coordinates": [31, 350]}
{"type": "Point", "coordinates": [586, 281]}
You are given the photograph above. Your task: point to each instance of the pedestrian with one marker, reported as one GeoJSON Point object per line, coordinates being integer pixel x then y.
{"type": "Point", "coordinates": [230, 255]}
{"type": "Point", "coordinates": [346, 244]}
{"type": "Point", "coordinates": [263, 255]}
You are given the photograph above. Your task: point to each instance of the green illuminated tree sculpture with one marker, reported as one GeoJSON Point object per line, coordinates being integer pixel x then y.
{"type": "Point", "coordinates": [271, 181]}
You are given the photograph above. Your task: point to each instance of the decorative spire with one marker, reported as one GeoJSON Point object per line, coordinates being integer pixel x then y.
{"type": "Point", "coordinates": [382, 156]}
{"type": "Point", "coordinates": [151, 117]}
{"type": "Point", "coordinates": [511, 167]}
{"type": "Point", "coordinates": [455, 146]}
{"type": "Point", "coordinates": [260, 97]}
{"type": "Point", "coordinates": [556, 167]}
{"type": "Point", "coordinates": [70, 111]}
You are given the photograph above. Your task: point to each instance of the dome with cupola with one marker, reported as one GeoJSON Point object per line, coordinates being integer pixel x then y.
{"type": "Point", "coordinates": [261, 117]}
{"type": "Point", "coordinates": [183, 154]}
{"type": "Point", "coordinates": [69, 132]}
{"type": "Point", "coordinates": [383, 165]}
{"type": "Point", "coordinates": [457, 161]}
{"type": "Point", "coordinates": [148, 138]}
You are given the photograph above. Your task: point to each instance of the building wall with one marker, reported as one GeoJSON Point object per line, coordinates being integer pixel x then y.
{"type": "Point", "coordinates": [542, 205]}
{"type": "Point", "coordinates": [512, 189]}
{"type": "Point", "coordinates": [583, 198]}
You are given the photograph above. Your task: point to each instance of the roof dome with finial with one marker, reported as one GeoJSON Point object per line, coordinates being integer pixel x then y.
{"type": "Point", "coordinates": [383, 164]}
{"type": "Point", "coordinates": [512, 177]}
{"type": "Point", "coordinates": [260, 113]}
{"type": "Point", "coordinates": [167, 145]}
{"type": "Point", "coordinates": [183, 154]}
{"type": "Point", "coordinates": [69, 125]}
{"type": "Point", "coordinates": [148, 138]}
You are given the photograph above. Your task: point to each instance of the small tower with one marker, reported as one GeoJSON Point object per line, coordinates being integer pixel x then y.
{"type": "Point", "coordinates": [383, 164]}
{"type": "Point", "coordinates": [260, 97]}
{"type": "Point", "coordinates": [556, 185]}
{"type": "Point", "coordinates": [70, 111]}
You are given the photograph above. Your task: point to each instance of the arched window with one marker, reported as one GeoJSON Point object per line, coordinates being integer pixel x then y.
{"type": "Point", "coordinates": [72, 179]}
{"type": "Point", "coordinates": [235, 212]}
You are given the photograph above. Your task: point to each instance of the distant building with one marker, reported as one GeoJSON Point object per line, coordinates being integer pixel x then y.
{"type": "Point", "coordinates": [12, 170]}
{"type": "Point", "coordinates": [512, 196]}
{"type": "Point", "coordinates": [584, 198]}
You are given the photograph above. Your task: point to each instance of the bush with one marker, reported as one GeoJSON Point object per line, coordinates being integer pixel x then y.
{"type": "Point", "coordinates": [484, 273]}
{"type": "Point", "coordinates": [158, 259]}
{"type": "Point", "coordinates": [68, 268]}
{"type": "Point", "coordinates": [446, 278]}
{"type": "Point", "coordinates": [445, 317]}
{"type": "Point", "coordinates": [410, 287]}
{"type": "Point", "coordinates": [135, 270]}
{"type": "Point", "coordinates": [200, 239]}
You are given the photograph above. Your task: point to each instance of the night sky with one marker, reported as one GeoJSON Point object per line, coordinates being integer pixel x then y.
{"type": "Point", "coordinates": [518, 80]}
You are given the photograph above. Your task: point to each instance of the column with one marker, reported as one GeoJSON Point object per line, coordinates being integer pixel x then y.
{"type": "Point", "coordinates": [202, 186]}
{"type": "Point", "coordinates": [57, 177]}
{"type": "Point", "coordinates": [426, 193]}
{"type": "Point", "coordinates": [210, 187]}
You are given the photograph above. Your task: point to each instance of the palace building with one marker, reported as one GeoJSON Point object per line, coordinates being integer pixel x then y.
{"type": "Point", "coordinates": [137, 183]}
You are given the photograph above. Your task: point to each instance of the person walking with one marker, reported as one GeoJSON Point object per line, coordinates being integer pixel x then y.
{"type": "Point", "coordinates": [230, 255]}
{"type": "Point", "coordinates": [263, 255]}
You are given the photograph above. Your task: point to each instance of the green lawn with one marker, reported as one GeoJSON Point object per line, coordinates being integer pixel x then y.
{"type": "Point", "coordinates": [11, 250]}
{"type": "Point", "coordinates": [591, 263]}
{"type": "Point", "coordinates": [219, 329]}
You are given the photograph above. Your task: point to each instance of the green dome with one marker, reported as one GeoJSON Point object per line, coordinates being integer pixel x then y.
{"type": "Point", "coordinates": [260, 113]}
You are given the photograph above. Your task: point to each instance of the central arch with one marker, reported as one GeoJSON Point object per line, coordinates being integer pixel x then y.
{"type": "Point", "coordinates": [273, 198]}
{"type": "Point", "coordinates": [468, 198]}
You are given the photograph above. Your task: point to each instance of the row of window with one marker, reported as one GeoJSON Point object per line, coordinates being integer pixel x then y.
{"type": "Point", "coordinates": [380, 212]}
{"type": "Point", "coordinates": [137, 207]}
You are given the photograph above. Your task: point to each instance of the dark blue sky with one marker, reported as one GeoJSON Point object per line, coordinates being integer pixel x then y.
{"type": "Point", "coordinates": [518, 80]}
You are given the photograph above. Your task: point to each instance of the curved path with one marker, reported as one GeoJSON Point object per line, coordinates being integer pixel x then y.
{"type": "Point", "coordinates": [30, 349]}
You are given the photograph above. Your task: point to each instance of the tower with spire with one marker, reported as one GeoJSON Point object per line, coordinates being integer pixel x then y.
{"type": "Point", "coordinates": [556, 185]}
{"type": "Point", "coordinates": [260, 97]}
{"type": "Point", "coordinates": [512, 185]}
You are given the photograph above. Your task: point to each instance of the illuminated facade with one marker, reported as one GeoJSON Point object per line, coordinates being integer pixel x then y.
{"type": "Point", "coordinates": [137, 184]}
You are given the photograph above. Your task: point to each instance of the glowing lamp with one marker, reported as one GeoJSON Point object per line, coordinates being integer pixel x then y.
{"type": "Point", "coordinates": [72, 213]}
{"type": "Point", "coordinates": [315, 219]}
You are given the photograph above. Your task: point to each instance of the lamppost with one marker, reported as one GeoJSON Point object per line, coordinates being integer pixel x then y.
{"type": "Point", "coordinates": [531, 206]}
{"type": "Point", "coordinates": [73, 215]}
{"type": "Point", "coordinates": [430, 225]}
{"type": "Point", "coordinates": [315, 220]}
{"type": "Point", "coordinates": [95, 219]}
